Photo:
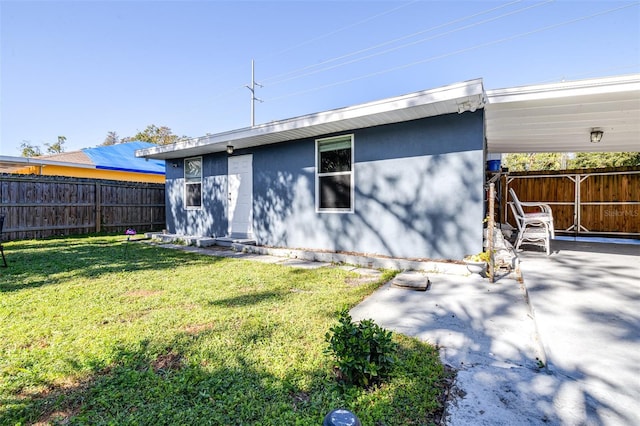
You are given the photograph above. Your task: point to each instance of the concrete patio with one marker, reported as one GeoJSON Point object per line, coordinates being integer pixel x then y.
{"type": "Point", "coordinates": [586, 299]}
{"type": "Point", "coordinates": [561, 347]}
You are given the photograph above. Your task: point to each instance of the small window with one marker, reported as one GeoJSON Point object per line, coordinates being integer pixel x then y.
{"type": "Point", "coordinates": [193, 183]}
{"type": "Point", "coordinates": [334, 174]}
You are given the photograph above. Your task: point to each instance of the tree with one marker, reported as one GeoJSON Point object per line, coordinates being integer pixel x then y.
{"type": "Point", "coordinates": [29, 150]}
{"type": "Point", "coordinates": [56, 148]}
{"type": "Point", "coordinates": [153, 134]}
{"type": "Point", "coordinates": [560, 161]}
{"type": "Point", "coordinates": [587, 160]}
{"type": "Point", "coordinates": [533, 161]}
{"type": "Point", "coordinates": [111, 139]}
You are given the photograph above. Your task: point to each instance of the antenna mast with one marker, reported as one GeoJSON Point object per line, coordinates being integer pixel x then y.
{"type": "Point", "coordinates": [252, 89]}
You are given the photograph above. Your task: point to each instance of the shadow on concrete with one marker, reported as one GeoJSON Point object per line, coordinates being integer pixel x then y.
{"type": "Point", "coordinates": [585, 297]}
{"type": "Point", "coordinates": [586, 328]}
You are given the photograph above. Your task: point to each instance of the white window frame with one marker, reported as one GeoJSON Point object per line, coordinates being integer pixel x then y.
{"type": "Point", "coordinates": [186, 183]}
{"type": "Point", "coordinates": [351, 173]}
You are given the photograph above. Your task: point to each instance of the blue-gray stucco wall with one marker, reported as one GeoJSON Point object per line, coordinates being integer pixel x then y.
{"type": "Point", "coordinates": [211, 219]}
{"type": "Point", "coordinates": [418, 192]}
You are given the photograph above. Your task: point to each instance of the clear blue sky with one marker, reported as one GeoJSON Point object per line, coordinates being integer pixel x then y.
{"type": "Point", "coordinates": [83, 68]}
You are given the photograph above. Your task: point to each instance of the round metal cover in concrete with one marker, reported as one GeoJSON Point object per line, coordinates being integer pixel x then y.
{"type": "Point", "coordinates": [411, 280]}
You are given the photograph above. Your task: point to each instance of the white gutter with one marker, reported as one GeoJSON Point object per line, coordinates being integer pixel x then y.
{"type": "Point", "coordinates": [565, 89]}
{"type": "Point", "coordinates": [455, 98]}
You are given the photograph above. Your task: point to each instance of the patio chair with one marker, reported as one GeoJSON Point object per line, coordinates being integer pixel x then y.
{"type": "Point", "coordinates": [535, 226]}
{"type": "Point", "coordinates": [4, 259]}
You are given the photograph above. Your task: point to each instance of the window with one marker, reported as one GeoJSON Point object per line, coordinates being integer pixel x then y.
{"type": "Point", "coordinates": [334, 174]}
{"type": "Point", "coordinates": [193, 183]}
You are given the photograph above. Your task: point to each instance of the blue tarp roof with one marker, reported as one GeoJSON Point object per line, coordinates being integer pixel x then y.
{"type": "Point", "coordinates": [122, 157]}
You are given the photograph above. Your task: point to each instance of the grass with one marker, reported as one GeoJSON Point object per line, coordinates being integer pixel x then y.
{"type": "Point", "coordinates": [98, 331]}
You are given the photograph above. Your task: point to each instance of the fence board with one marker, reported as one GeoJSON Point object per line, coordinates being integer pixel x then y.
{"type": "Point", "coordinates": [43, 206]}
{"type": "Point", "coordinates": [603, 201]}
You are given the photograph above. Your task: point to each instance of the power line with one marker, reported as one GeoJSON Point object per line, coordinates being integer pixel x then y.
{"type": "Point", "coordinates": [320, 37]}
{"type": "Point", "coordinates": [232, 91]}
{"type": "Point", "coordinates": [337, 58]}
{"type": "Point", "coordinates": [415, 42]}
{"type": "Point", "coordinates": [457, 52]}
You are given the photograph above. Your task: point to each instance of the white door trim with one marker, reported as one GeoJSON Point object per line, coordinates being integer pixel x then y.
{"type": "Point", "coordinates": [240, 196]}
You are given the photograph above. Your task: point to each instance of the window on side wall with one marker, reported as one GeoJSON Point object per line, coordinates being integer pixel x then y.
{"type": "Point", "coordinates": [334, 174]}
{"type": "Point", "coordinates": [193, 183]}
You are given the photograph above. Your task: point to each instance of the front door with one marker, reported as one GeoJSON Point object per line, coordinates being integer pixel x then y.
{"type": "Point", "coordinates": [240, 189]}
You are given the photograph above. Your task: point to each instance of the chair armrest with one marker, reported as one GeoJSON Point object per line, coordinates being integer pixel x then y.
{"type": "Point", "coordinates": [542, 206]}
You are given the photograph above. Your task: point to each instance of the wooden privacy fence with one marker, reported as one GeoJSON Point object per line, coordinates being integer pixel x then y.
{"type": "Point", "coordinates": [584, 202]}
{"type": "Point", "coordinates": [43, 206]}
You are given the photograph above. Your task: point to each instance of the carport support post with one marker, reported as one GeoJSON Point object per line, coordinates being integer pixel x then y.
{"type": "Point", "coordinates": [490, 226]}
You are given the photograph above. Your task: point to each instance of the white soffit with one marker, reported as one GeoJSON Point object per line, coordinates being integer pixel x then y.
{"type": "Point", "coordinates": [559, 117]}
{"type": "Point", "coordinates": [465, 96]}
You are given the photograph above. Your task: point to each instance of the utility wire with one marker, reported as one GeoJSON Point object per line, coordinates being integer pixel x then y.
{"type": "Point", "coordinates": [363, 21]}
{"type": "Point", "coordinates": [457, 52]}
{"type": "Point", "coordinates": [386, 43]}
{"type": "Point", "coordinates": [320, 37]}
{"type": "Point", "coordinates": [415, 42]}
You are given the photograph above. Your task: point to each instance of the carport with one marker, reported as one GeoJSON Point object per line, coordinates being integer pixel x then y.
{"type": "Point", "coordinates": [584, 296]}
{"type": "Point", "coordinates": [561, 117]}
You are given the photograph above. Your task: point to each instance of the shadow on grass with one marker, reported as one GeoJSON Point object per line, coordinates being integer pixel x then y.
{"type": "Point", "coordinates": [249, 299]}
{"type": "Point", "coordinates": [37, 263]}
{"type": "Point", "coordinates": [165, 383]}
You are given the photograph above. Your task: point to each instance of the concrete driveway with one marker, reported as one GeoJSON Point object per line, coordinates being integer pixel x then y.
{"type": "Point", "coordinates": [586, 299]}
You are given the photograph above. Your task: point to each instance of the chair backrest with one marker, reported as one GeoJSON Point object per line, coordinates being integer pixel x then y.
{"type": "Point", "coordinates": [516, 202]}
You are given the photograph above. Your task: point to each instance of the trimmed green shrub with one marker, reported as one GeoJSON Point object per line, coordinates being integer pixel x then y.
{"type": "Point", "coordinates": [365, 353]}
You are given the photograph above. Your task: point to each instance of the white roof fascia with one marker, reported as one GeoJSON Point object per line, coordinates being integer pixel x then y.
{"type": "Point", "coordinates": [453, 98]}
{"type": "Point", "coordinates": [6, 160]}
{"type": "Point", "coordinates": [565, 89]}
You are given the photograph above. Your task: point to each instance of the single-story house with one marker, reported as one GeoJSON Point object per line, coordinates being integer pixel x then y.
{"type": "Point", "coordinates": [113, 162]}
{"type": "Point", "coordinates": [401, 177]}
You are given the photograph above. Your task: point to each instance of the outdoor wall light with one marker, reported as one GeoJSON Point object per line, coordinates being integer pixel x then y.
{"type": "Point", "coordinates": [596, 135]}
{"type": "Point", "coordinates": [229, 149]}
{"type": "Point", "coordinates": [174, 165]}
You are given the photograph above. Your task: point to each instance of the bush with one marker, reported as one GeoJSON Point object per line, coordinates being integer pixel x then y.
{"type": "Point", "coordinates": [365, 352]}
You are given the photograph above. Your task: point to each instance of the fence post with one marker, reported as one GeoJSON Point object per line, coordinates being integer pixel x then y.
{"type": "Point", "coordinates": [98, 206]}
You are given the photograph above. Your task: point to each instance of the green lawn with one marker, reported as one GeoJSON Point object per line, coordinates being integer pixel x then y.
{"type": "Point", "coordinates": [97, 331]}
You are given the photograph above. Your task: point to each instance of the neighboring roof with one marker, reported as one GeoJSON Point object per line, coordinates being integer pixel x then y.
{"type": "Point", "coordinates": [122, 157]}
{"type": "Point", "coordinates": [455, 98]}
{"type": "Point", "coordinates": [77, 157]}
{"type": "Point", "coordinates": [9, 164]}
{"type": "Point", "coordinates": [559, 117]}
{"type": "Point", "coordinates": [119, 157]}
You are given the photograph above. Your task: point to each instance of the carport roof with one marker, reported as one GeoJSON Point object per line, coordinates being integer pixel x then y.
{"type": "Point", "coordinates": [559, 117]}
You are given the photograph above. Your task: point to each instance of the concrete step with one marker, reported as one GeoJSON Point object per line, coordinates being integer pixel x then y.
{"type": "Point", "coordinates": [183, 239]}
{"type": "Point", "coordinates": [230, 241]}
